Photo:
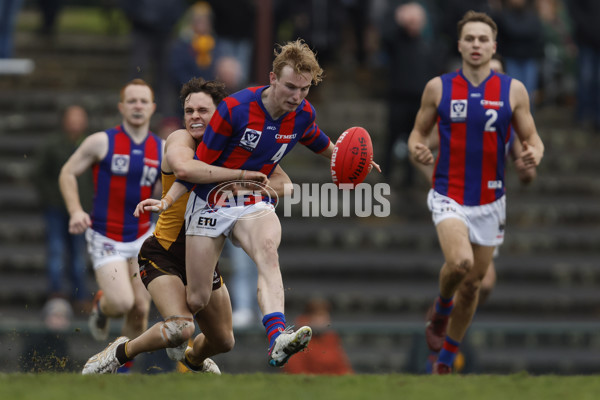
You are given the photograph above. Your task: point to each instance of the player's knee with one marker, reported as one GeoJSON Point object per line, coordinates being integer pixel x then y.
{"type": "Point", "coordinates": [486, 287]}
{"type": "Point", "coordinates": [140, 309]}
{"type": "Point", "coordinates": [225, 342]}
{"type": "Point", "coordinates": [177, 330]}
{"type": "Point", "coordinates": [460, 267]}
{"type": "Point", "coordinates": [469, 289]}
{"type": "Point", "coordinates": [119, 307]}
{"type": "Point", "coordinates": [197, 301]}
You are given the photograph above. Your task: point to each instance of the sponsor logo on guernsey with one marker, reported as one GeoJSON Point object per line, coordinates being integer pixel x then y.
{"type": "Point", "coordinates": [281, 138]}
{"type": "Point", "coordinates": [120, 164]}
{"type": "Point", "coordinates": [250, 139]}
{"type": "Point", "coordinates": [494, 184]}
{"type": "Point", "coordinates": [150, 162]}
{"type": "Point", "coordinates": [458, 110]}
{"type": "Point", "coordinates": [491, 104]}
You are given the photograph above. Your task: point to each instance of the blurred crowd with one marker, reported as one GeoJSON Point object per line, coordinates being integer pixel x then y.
{"type": "Point", "coordinates": [175, 40]}
{"type": "Point", "coordinates": [552, 46]}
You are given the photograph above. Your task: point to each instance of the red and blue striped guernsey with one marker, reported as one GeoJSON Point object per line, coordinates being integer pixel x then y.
{"type": "Point", "coordinates": [475, 135]}
{"type": "Point", "coordinates": [122, 179]}
{"type": "Point", "coordinates": [242, 135]}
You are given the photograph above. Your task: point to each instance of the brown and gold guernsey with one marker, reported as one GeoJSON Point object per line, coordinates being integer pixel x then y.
{"type": "Point", "coordinates": [164, 252]}
{"type": "Point", "coordinates": [169, 228]}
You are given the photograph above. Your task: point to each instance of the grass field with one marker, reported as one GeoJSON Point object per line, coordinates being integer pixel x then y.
{"type": "Point", "coordinates": [290, 387]}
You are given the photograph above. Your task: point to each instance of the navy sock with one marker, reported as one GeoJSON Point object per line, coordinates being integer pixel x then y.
{"type": "Point", "coordinates": [443, 305]}
{"type": "Point", "coordinates": [274, 323]}
{"type": "Point", "coordinates": [449, 351]}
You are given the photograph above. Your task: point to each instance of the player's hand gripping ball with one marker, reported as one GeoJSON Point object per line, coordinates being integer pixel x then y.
{"type": "Point", "coordinates": [352, 157]}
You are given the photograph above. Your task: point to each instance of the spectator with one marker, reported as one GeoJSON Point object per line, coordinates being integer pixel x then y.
{"type": "Point", "coordinates": [195, 51]}
{"type": "Point", "coordinates": [152, 23]}
{"type": "Point", "coordinates": [404, 34]}
{"type": "Point", "coordinates": [520, 36]}
{"type": "Point", "coordinates": [558, 68]}
{"type": "Point", "coordinates": [9, 9]}
{"type": "Point", "coordinates": [229, 71]}
{"type": "Point", "coordinates": [234, 25]}
{"type": "Point", "coordinates": [325, 353]}
{"type": "Point", "coordinates": [50, 10]}
{"type": "Point", "coordinates": [63, 248]}
{"type": "Point", "coordinates": [585, 15]}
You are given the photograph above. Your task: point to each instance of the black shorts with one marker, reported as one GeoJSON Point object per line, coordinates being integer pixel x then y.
{"type": "Point", "coordinates": [154, 261]}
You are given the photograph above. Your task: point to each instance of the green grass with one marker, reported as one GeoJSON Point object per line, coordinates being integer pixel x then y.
{"type": "Point", "coordinates": [290, 387]}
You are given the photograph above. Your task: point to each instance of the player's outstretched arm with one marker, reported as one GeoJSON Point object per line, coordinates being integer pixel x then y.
{"type": "Point", "coordinates": [180, 151]}
{"type": "Point", "coordinates": [91, 150]}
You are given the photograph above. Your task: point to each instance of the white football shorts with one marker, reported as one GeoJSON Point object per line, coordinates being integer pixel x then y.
{"type": "Point", "coordinates": [103, 250]}
{"type": "Point", "coordinates": [203, 220]}
{"type": "Point", "coordinates": [485, 223]}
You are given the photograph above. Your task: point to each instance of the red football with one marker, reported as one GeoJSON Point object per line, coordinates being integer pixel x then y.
{"type": "Point", "coordinates": [352, 156]}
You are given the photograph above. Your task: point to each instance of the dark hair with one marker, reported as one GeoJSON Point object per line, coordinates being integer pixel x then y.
{"type": "Point", "coordinates": [474, 16]}
{"type": "Point", "coordinates": [215, 89]}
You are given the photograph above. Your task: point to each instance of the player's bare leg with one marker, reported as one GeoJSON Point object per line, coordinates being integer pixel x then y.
{"type": "Point", "coordinates": [471, 271]}
{"type": "Point", "coordinates": [202, 254]}
{"type": "Point", "coordinates": [217, 330]}
{"type": "Point", "coordinates": [114, 282]}
{"type": "Point", "coordinates": [260, 238]}
{"type": "Point", "coordinates": [136, 318]}
{"type": "Point", "coordinates": [454, 241]}
{"type": "Point", "coordinates": [487, 284]}
{"type": "Point", "coordinates": [467, 295]}
{"type": "Point", "coordinates": [168, 294]}
{"type": "Point", "coordinates": [458, 254]}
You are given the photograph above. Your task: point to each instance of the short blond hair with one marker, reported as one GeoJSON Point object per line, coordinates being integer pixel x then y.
{"type": "Point", "coordinates": [300, 57]}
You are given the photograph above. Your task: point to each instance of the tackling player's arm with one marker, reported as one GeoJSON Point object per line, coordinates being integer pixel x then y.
{"type": "Point", "coordinates": [418, 141]}
{"type": "Point", "coordinates": [176, 190]}
{"type": "Point", "coordinates": [180, 150]}
{"type": "Point", "coordinates": [533, 147]}
{"type": "Point", "coordinates": [91, 151]}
